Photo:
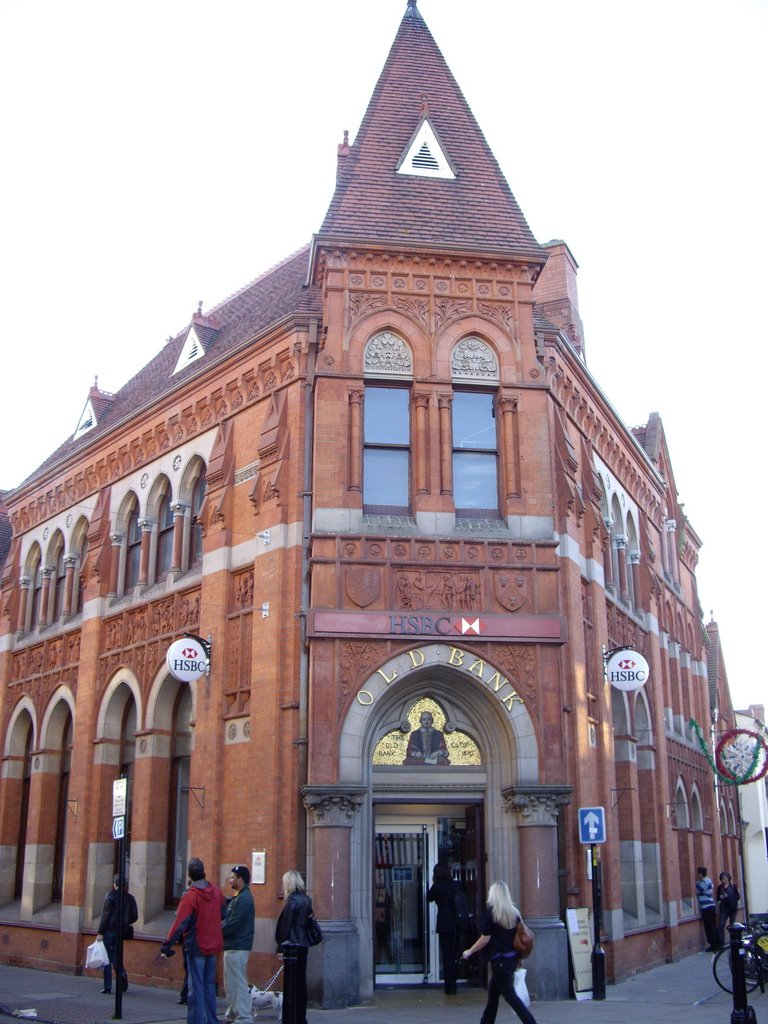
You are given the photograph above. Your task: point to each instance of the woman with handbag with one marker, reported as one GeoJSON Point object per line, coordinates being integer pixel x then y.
{"type": "Point", "coordinates": [296, 927]}
{"type": "Point", "coordinates": [499, 925]}
{"type": "Point", "coordinates": [728, 897]}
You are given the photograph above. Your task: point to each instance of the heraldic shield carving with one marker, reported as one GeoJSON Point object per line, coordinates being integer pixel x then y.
{"type": "Point", "coordinates": [511, 589]}
{"type": "Point", "coordinates": [362, 585]}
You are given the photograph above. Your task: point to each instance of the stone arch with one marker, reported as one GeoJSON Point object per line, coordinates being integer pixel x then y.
{"type": "Point", "coordinates": [116, 695]}
{"type": "Point", "coordinates": [387, 355]}
{"type": "Point", "coordinates": [54, 717]}
{"type": "Point", "coordinates": [22, 717]}
{"type": "Point", "coordinates": [410, 331]}
{"type": "Point", "coordinates": [377, 708]}
{"type": "Point", "coordinates": [504, 345]}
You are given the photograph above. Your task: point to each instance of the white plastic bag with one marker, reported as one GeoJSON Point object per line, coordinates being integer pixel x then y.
{"type": "Point", "coordinates": [96, 955]}
{"type": "Point", "coordinates": [521, 989]}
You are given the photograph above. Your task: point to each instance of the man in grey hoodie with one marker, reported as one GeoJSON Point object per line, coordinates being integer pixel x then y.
{"type": "Point", "coordinates": [238, 928]}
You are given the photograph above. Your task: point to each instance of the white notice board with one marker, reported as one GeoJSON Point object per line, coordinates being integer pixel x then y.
{"type": "Point", "coordinates": [580, 939]}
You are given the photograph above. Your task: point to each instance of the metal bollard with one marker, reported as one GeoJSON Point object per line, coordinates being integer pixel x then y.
{"type": "Point", "coordinates": [291, 982]}
{"type": "Point", "coordinates": [741, 1013]}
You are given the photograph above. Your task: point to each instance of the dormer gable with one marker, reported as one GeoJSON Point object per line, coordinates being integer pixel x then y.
{"type": "Point", "coordinates": [96, 406]}
{"type": "Point", "coordinates": [200, 336]}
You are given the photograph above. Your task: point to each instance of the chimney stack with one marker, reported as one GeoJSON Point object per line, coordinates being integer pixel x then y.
{"type": "Point", "coordinates": [556, 295]}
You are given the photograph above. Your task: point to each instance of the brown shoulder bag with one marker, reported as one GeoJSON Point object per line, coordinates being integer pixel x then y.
{"type": "Point", "coordinates": [523, 940]}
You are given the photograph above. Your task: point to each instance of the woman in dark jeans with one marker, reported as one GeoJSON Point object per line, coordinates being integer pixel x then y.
{"type": "Point", "coordinates": [291, 930]}
{"type": "Point", "coordinates": [497, 932]}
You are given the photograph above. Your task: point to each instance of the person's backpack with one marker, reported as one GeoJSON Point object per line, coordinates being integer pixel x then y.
{"type": "Point", "coordinates": [462, 915]}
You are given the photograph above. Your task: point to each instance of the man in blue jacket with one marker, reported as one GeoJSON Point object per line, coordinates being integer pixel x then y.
{"type": "Point", "coordinates": [237, 928]}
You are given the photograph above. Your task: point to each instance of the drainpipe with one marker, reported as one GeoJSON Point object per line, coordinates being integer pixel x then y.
{"type": "Point", "coordinates": [306, 536]}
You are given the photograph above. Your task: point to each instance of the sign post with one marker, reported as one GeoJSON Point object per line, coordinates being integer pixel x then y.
{"type": "Point", "coordinates": [119, 810]}
{"type": "Point", "coordinates": [592, 832]}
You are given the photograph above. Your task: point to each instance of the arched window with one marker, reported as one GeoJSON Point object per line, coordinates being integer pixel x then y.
{"type": "Point", "coordinates": [132, 547]}
{"type": "Point", "coordinates": [697, 819]}
{"type": "Point", "coordinates": [79, 584]}
{"type": "Point", "coordinates": [475, 454]}
{"type": "Point", "coordinates": [58, 583]}
{"type": "Point", "coordinates": [34, 576]}
{"type": "Point", "coordinates": [60, 841]}
{"type": "Point", "coordinates": [23, 727]}
{"type": "Point", "coordinates": [387, 425]}
{"type": "Point", "coordinates": [178, 797]}
{"type": "Point", "coordinates": [681, 807]}
{"type": "Point", "coordinates": [164, 554]}
{"type": "Point", "coordinates": [127, 761]}
{"type": "Point", "coordinates": [195, 556]}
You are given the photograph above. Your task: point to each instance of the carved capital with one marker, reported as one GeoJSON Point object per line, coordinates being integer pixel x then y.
{"type": "Point", "coordinates": [333, 806]}
{"type": "Point", "coordinates": [179, 508]}
{"type": "Point", "coordinates": [25, 582]}
{"type": "Point", "coordinates": [444, 401]}
{"type": "Point", "coordinates": [47, 571]}
{"type": "Point", "coordinates": [116, 538]}
{"type": "Point", "coordinates": [537, 805]}
{"type": "Point", "coordinates": [146, 525]}
{"type": "Point", "coordinates": [70, 561]}
{"type": "Point", "coordinates": [421, 399]}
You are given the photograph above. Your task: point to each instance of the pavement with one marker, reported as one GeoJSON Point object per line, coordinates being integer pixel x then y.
{"type": "Point", "coordinates": [681, 993]}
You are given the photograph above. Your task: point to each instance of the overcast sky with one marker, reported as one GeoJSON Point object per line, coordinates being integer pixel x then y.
{"type": "Point", "coordinates": [161, 153]}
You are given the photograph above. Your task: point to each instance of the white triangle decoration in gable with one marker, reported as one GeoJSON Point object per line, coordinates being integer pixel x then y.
{"type": "Point", "coordinates": [424, 156]}
{"type": "Point", "coordinates": [87, 420]}
{"type": "Point", "coordinates": [191, 350]}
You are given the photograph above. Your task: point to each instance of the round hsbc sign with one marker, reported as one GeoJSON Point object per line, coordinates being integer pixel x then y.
{"type": "Point", "coordinates": [627, 670]}
{"type": "Point", "coordinates": [186, 660]}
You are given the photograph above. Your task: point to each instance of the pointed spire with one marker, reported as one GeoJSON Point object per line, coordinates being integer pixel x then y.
{"type": "Point", "coordinates": [471, 208]}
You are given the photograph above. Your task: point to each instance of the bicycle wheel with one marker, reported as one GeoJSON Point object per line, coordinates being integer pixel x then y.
{"type": "Point", "coordinates": [721, 968]}
{"type": "Point", "coordinates": [753, 968]}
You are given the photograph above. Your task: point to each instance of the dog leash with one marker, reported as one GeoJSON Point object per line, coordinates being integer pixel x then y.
{"type": "Point", "coordinates": [273, 979]}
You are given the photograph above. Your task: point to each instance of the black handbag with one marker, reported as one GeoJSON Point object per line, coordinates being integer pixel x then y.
{"type": "Point", "coordinates": [314, 933]}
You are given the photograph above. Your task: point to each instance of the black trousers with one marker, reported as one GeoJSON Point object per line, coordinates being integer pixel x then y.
{"type": "Point", "coordinates": [502, 983]}
{"type": "Point", "coordinates": [448, 954]}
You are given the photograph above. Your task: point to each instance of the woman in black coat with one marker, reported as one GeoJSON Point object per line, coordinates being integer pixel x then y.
{"type": "Point", "coordinates": [291, 930]}
{"type": "Point", "coordinates": [442, 892]}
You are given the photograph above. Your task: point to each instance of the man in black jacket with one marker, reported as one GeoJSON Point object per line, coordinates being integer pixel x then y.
{"type": "Point", "coordinates": [238, 928]}
{"type": "Point", "coordinates": [109, 927]}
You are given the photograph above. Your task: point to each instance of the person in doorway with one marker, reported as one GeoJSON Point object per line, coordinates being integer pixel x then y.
{"type": "Point", "coordinates": [498, 926]}
{"type": "Point", "coordinates": [291, 930]}
{"type": "Point", "coordinates": [443, 892]}
{"type": "Point", "coordinates": [198, 923]}
{"type": "Point", "coordinates": [707, 909]}
{"type": "Point", "coordinates": [238, 929]}
{"type": "Point", "coordinates": [728, 897]}
{"type": "Point", "coordinates": [426, 745]}
{"type": "Point", "coordinates": [109, 926]}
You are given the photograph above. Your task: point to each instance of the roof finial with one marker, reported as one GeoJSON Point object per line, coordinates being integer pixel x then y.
{"type": "Point", "coordinates": [424, 106]}
{"type": "Point", "coordinates": [200, 307]}
{"type": "Point", "coordinates": [412, 3]}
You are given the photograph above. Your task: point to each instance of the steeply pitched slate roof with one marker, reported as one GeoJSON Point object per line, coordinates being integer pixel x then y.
{"type": "Point", "coordinates": [246, 314]}
{"type": "Point", "coordinates": [476, 211]}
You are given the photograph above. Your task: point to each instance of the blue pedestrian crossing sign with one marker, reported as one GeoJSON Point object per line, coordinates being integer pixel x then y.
{"type": "Point", "coordinates": [591, 824]}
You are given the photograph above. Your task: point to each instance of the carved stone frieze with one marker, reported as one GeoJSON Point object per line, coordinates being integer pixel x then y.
{"type": "Point", "coordinates": [455, 589]}
{"type": "Point", "coordinates": [472, 359]}
{"type": "Point", "coordinates": [387, 355]}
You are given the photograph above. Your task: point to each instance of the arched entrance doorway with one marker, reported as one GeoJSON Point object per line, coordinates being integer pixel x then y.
{"type": "Point", "coordinates": [395, 814]}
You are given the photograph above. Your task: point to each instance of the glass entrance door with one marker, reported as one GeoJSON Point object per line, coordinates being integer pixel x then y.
{"type": "Point", "coordinates": [402, 937]}
{"type": "Point", "coordinates": [407, 847]}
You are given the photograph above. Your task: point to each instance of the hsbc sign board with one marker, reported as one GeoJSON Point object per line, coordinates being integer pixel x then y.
{"type": "Point", "coordinates": [186, 660]}
{"type": "Point", "coordinates": [627, 670]}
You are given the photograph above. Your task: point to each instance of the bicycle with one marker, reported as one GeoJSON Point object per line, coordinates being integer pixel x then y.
{"type": "Point", "coordinates": [755, 945]}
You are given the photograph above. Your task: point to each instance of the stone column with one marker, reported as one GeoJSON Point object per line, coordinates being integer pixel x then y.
{"type": "Point", "coordinates": [145, 525]}
{"type": "Point", "coordinates": [114, 563]}
{"type": "Point", "coordinates": [45, 611]}
{"type": "Point", "coordinates": [608, 554]}
{"type": "Point", "coordinates": [621, 555]}
{"type": "Point", "coordinates": [355, 467]}
{"type": "Point", "coordinates": [634, 561]}
{"type": "Point", "coordinates": [536, 809]}
{"type": "Point", "coordinates": [446, 450]}
{"type": "Point", "coordinates": [508, 408]}
{"type": "Point", "coordinates": [179, 509]}
{"type": "Point", "coordinates": [25, 584]}
{"type": "Point", "coordinates": [69, 567]}
{"type": "Point", "coordinates": [333, 975]}
{"type": "Point", "coordinates": [421, 453]}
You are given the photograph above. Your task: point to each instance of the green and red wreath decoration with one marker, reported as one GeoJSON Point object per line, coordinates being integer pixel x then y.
{"type": "Point", "coordinates": [741, 755]}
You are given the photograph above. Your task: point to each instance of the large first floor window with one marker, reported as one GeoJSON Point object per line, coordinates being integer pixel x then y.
{"type": "Point", "coordinates": [475, 453]}
{"type": "Point", "coordinates": [386, 455]}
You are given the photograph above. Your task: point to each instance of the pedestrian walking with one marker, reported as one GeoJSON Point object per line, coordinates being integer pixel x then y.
{"type": "Point", "coordinates": [498, 926]}
{"type": "Point", "coordinates": [198, 923]}
{"type": "Point", "coordinates": [707, 909]}
{"type": "Point", "coordinates": [109, 927]}
{"type": "Point", "coordinates": [238, 930]}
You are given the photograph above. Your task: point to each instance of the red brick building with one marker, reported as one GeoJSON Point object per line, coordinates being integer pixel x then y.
{"type": "Point", "coordinates": [382, 479]}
